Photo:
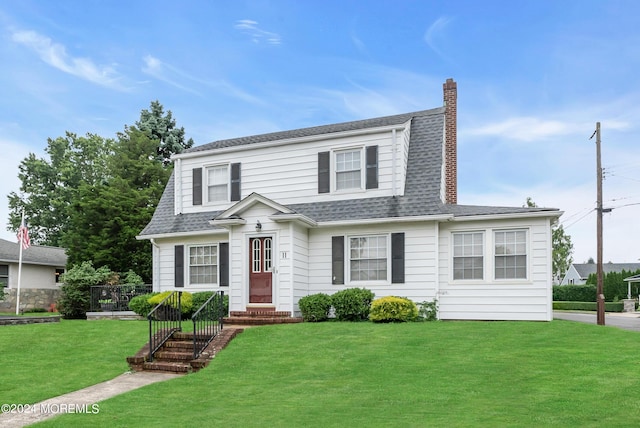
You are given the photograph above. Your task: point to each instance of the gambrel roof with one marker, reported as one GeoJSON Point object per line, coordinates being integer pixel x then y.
{"type": "Point", "coordinates": [422, 196]}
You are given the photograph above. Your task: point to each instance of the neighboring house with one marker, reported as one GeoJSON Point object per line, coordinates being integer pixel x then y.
{"type": "Point", "coordinates": [41, 266]}
{"type": "Point", "coordinates": [578, 273]}
{"type": "Point", "coordinates": [371, 203]}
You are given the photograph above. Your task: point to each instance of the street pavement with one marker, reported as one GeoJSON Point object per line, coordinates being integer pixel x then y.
{"type": "Point", "coordinates": [624, 320]}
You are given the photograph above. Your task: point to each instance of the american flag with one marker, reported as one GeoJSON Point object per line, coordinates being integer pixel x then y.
{"type": "Point", "coordinates": [23, 236]}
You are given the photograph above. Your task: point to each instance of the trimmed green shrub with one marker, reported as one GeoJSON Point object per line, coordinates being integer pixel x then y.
{"type": "Point", "coordinates": [315, 307]}
{"type": "Point", "coordinates": [352, 304]}
{"type": "Point", "coordinates": [574, 293]}
{"type": "Point", "coordinates": [140, 304]}
{"type": "Point", "coordinates": [588, 306]}
{"type": "Point", "coordinates": [186, 301]}
{"type": "Point", "coordinates": [393, 309]}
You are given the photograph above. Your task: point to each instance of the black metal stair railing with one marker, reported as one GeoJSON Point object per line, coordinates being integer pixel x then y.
{"type": "Point", "coordinates": [207, 322]}
{"type": "Point", "coordinates": [164, 320]}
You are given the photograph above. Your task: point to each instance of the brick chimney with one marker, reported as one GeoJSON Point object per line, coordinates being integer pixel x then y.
{"type": "Point", "coordinates": [450, 92]}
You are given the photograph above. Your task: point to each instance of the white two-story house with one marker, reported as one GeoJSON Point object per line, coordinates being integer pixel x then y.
{"type": "Point", "coordinates": [371, 203]}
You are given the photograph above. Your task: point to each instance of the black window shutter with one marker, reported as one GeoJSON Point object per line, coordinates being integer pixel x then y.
{"type": "Point", "coordinates": [372, 167]}
{"type": "Point", "coordinates": [337, 259]}
{"type": "Point", "coordinates": [197, 186]}
{"type": "Point", "coordinates": [178, 263]}
{"type": "Point", "coordinates": [224, 264]}
{"type": "Point", "coordinates": [235, 181]}
{"type": "Point", "coordinates": [324, 173]}
{"type": "Point", "coordinates": [397, 258]}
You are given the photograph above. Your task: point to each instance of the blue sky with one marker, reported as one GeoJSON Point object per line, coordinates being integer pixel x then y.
{"type": "Point", "coordinates": [533, 79]}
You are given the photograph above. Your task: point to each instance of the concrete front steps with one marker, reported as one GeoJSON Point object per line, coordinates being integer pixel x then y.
{"type": "Point", "coordinates": [176, 355]}
{"type": "Point", "coordinates": [260, 316]}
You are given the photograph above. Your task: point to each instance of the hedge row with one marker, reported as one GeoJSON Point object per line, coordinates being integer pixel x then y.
{"type": "Point", "coordinates": [589, 306]}
{"type": "Point", "coordinates": [574, 293]}
{"type": "Point", "coordinates": [357, 304]}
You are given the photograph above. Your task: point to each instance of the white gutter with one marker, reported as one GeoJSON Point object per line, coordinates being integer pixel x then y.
{"type": "Point", "coordinates": [177, 190]}
{"type": "Point", "coordinates": [508, 216]}
{"type": "Point", "coordinates": [182, 234]}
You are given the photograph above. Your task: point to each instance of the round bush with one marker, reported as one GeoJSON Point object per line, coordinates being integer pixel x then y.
{"type": "Point", "coordinates": [352, 304]}
{"type": "Point", "coordinates": [315, 307]}
{"type": "Point", "coordinates": [140, 304]}
{"type": "Point", "coordinates": [393, 309]}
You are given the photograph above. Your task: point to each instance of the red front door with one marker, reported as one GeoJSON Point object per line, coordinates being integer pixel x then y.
{"type": "Point", "coordinates": [260, 264]}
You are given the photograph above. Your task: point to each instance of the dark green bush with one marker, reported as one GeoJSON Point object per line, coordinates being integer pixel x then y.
{"type": "Point", "coordinates": [588, 306]}
{"type": "Point", "coordinates": [140, 304]}
{"type": "Point", "coordinates": [393, 309]}
{"type": "Point", "coordinates": [74, 301]}
{"type": "Point", "coordinates": [198, 299]}
{"type": "Point", "coordinates": [352, 304]}
{"type": "Point", "coordinates": [315, 307]}
{"type": "Point", "coordinates": [574, 293]}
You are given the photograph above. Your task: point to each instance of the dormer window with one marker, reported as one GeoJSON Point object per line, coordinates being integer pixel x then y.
{"type": "Point", "coordinates": [348, 169]}
{"type": "Point", "coordinates": [218, 184]}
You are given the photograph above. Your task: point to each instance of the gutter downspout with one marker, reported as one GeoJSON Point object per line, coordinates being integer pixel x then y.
{"type": "Point", "coordinates": [155, 274]}
{"type": "Point", "coordinates": [394, 149]}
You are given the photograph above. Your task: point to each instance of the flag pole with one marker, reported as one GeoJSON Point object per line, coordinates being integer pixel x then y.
{"type": "Point", "coordinates": [20, 240]}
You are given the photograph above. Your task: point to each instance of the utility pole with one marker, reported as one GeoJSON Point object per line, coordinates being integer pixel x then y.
{"type": "Point", "coordinates": [599, 288]}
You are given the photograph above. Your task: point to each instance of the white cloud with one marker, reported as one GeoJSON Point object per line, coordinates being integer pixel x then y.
{"type": "Point", "coordinates": [175, 76]}
{"type": "Point", "coordinates": [435, 32]}
{"type": "Point", "coordinates": [257, 34]}
{"type": "Point", "coordinates": [55, 55]}
{"type": "Point", "coordinates": [530, 128]}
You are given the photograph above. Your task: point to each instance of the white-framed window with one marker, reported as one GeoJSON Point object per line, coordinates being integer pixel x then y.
{"type": "Point", "coordinates": [510, 252]}
{"type": "Point", "coordinates": [203, 264]}
{"type": "Point", "coordinates": [348, 169]}
{"type": "Point", "coordinates": [468, 255]}
{"type": "Point", "coordinates": [4, 276]}
{"type": "Point", "coordinates": [217, 183]}
{"type": "Point", "coordinates": [368, 258]}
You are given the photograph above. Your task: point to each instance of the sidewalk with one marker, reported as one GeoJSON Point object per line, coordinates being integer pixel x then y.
{"type": "Point", "coordinates": [82, 401]}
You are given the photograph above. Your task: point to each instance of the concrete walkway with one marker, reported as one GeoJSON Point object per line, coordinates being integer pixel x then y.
{"type": "Point", "coordinates": [83, 401]}
{"type": "Point", "coordinates": [624, 320]}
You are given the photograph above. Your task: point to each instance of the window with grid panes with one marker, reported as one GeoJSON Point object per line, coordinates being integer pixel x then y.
{"type": "Point", "coordinates": [203, 264]}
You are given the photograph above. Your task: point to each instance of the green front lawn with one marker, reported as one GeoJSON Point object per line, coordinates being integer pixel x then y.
{"type": "Point", "coordinates": [442, 374]}
{"type": "Point", "coordinates": [41, 361]}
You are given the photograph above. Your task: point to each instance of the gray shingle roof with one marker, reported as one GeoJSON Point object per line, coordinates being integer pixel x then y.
{"type": "Point", "coordinates": [586, 269]}
{"type": "Point", "coordinates": [422, 190]}
{"type": "Point", "coordinates": [36, 254]}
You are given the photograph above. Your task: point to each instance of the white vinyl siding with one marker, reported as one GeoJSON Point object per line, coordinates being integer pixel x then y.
{"type": "Point", "coordinates": [203, 264]}
{"type": "Point", "coordinates": [292, 171]}
{"type": "Point", "coordinates": [510, 254]}
{"type": "Point", "coordinates": [468, 255]}
{"type": "Point", "coordinates": [491, 298]}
